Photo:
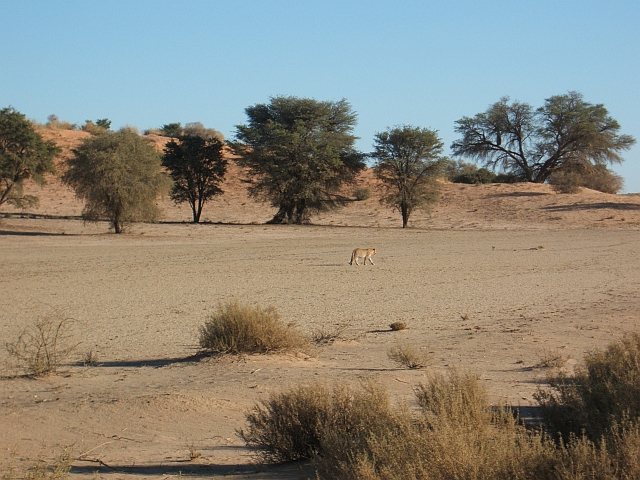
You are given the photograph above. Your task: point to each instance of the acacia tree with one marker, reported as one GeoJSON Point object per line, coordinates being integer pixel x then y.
{"type": "Point", "coordinates": [407, 161]}
{"type": "Point", "coordinates": [197, 167]}
{"type": "Point", "coordinates": [119, 176]}
{"type": "Point", "coordinates": [299, 152]}
{"type": "Point", "coordinates": [533, 144]}
{"type": "Point", "coordinates": [23, 155]}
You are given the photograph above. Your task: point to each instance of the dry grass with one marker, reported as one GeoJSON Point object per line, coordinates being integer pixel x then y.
{"type": "Point", "coordinates": [603, 392]}
{"type": "Point", "coordinates": [551, 359]}
{"type": "Point", "coordinates": [357, 434]}
{"type": "Point", "coordinates": [235, 328]}
{"type": "Point", "coordinates": [42, 347]}
{"type": "Point", "coordinates": [328, 334]}
{"type": "Point", "coordinates": [408, 356]}
{"type": "Point", "coordinates": [40, 469]}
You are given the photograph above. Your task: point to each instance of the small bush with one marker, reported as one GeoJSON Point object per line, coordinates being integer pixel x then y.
{"type": "Point", "coordinates": [362, 193]}
{"type": "Point", "coordinates": [408, 356]}
{"type": "Point", "coordinates": [602, 179]}
{"type": "Point", "coordinates": [397, 326]}
{"type": "Point", "coordinates": [550, 359]}
{"type": "Point", "coordinates": [41, 348]}
{"type": "Point", "coordinates": [92, 128]}
{"type": "Point", "coordinates": [304, 421]}
{"type": "Point", "coordinates": [596, 177]}
{"type": "Point", "coordinates": [566, 182]}
{"type": "Point", "coordinates": [328, 335]}
{"type": "Point", "coordinates": [604, 391]}
{"type": "Point", "coordinates": [236, 328]}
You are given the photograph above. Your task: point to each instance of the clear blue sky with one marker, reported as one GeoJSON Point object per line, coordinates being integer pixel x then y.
{"type": "Point", "coordinates": [423, 63]}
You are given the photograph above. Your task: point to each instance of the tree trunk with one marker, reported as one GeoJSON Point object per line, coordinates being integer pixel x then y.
{"type": "Point", "coordinates": [405, 214]}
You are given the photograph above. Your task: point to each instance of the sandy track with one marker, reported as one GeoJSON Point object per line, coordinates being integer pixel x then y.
{"type": "Point", "coordinates": [137, 301]}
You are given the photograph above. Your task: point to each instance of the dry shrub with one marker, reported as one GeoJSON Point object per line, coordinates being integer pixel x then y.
{"type": "Point", "coordinates": [237, 328]}
{"type": "Point", "coordinates": [550, 359]}
{"type": "Point", "coordinates": [92, 128]}
{"type": "Point", "coordinates": [55, 123]}
{"type": "Point", "coordinates": [328, 334]}
{"type": "Point", "coordinates": [456, 434]}
{"type": "Point", "coordinates": [43, 346]}
{"type": "Point", "coordinates": [408, 356]}
{"type": "Point", "coordinates": [605, 390]}
{"type": "Point", "coordinates": [397, 326]}
{"type": "Point", "coordinates": [595, 177]}
{"type": "Point", "coordinates": [306, 420]}
{"type": "Point", "coordinates": [357, 434]}
{"type": "Point", "coordinates": [603, 180]}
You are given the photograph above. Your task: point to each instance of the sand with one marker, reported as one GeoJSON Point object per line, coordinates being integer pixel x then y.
{"type": "Point", "coordinates": [493, 279]}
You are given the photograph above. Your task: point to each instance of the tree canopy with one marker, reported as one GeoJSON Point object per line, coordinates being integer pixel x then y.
{"type": "Point", "coordinates": [299, 152]}
{"type": "Point", "coordinates": [23, 155]}
{"type": "Point", "coordinates": [533, 144]}
{"type": "Point", "coordinates": [407, 161]}
{"type": "Point", "coordinates": [197, 167]}
{"type": "Point", "coordinates": [119, 176]}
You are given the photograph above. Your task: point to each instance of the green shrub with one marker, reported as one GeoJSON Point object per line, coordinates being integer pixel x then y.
{"type": "Point", "coordinates": [603, 392]}
{"type": "Point", "coordinates": [236, 328]}
{"type": "Point", "coordinates": [362, 193]}
{"type": "Point", "coordinates": [508, 178]}
{"type": "Point", "coordinates": [481, 175]}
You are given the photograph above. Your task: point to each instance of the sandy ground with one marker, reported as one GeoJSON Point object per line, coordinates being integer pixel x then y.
{"type": "Point", "coordinates": [494, 278]}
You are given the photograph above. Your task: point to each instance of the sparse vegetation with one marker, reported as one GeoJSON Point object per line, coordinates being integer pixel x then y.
{"type": "Point", "coordinates": [408, 356]}
{"type": "Point", "coordinates": [42, 347]}
{"type": "Point", "coordinates": [235, 328]}
{"type": "Point", "coordinates": [90, 358]}
{"type": "Point", "coordinates": [40, 469]}
{"type": "Point", "coordinates": [397, 326]}
{"type": "Point", "coordinates": [194, 453]}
